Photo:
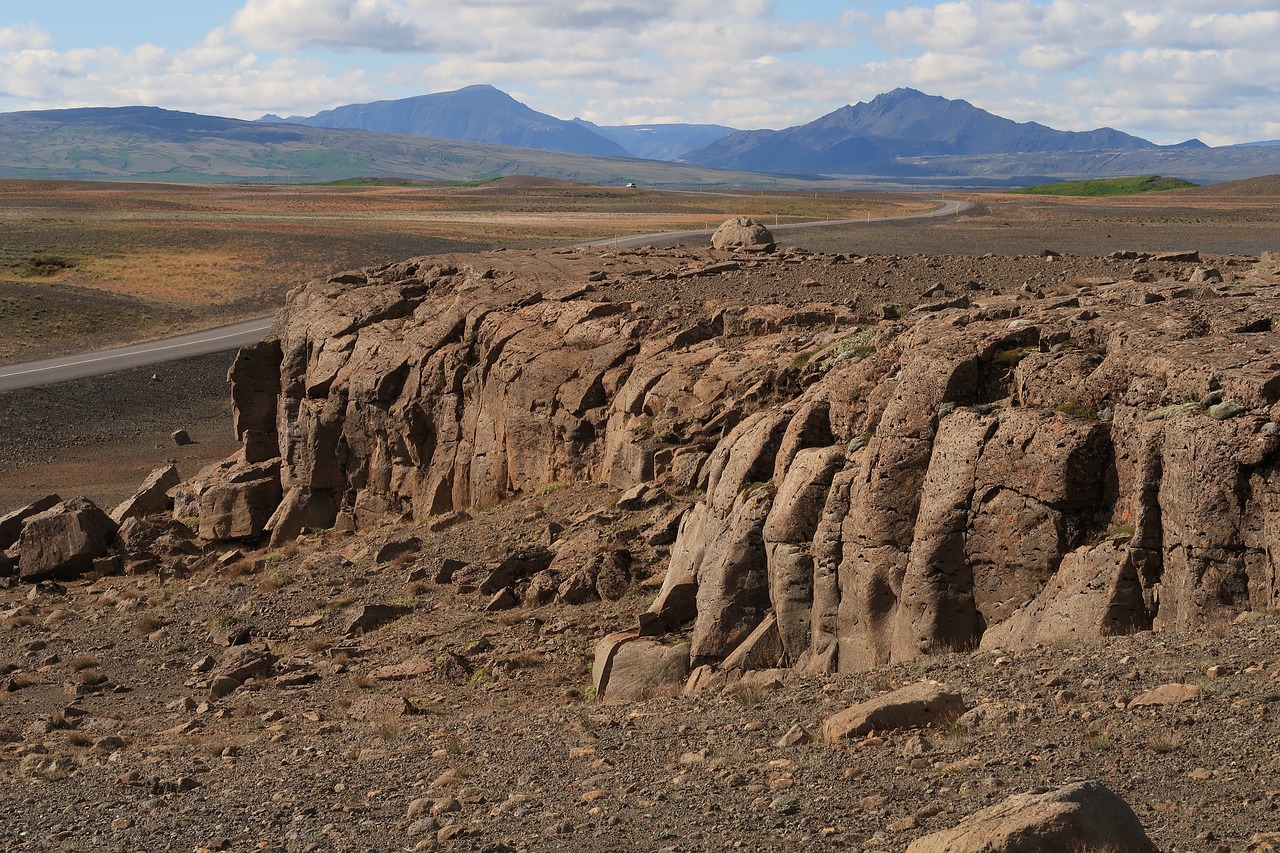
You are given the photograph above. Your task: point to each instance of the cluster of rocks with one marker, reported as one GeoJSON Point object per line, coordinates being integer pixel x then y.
{"type": "Point", "coordinates": [52, 539]}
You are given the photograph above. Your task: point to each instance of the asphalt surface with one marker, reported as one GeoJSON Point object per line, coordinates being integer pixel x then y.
{"type": "Point", "coordinates": [52, 370]}
{"type": "Point", "coordinates": [945, 208]}
{"type": "Point", "coordinates": [49, 371]}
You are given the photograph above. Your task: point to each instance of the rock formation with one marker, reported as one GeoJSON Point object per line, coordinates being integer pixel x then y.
{"type": "Point", "coordinates": [988, 469]}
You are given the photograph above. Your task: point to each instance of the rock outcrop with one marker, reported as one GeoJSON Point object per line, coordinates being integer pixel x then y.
{"type": "Point", "coordinates": [995, 470]}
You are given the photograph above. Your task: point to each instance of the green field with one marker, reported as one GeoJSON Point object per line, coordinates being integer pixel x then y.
{"type": "Point", "coordinates": [1108, 186]}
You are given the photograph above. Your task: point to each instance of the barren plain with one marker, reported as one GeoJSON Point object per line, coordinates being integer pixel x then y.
{"type": "Point", "coordinates": [454, 726]}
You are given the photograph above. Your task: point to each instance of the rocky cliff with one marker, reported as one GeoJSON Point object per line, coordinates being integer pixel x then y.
{"type": "Point", "coordinates": [882, 457]}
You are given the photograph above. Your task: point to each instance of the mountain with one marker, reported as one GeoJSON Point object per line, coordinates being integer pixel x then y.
{"type": "Point", "coordinates": [153, 144]}
{"type": "Point", "coordinates": [1269, 143]}
{"type": "Point", "coordinates": [870, 138]}
{"type": "Point", "coordinates": [659, 141]}
{"type": "Point", "coordinates": [471, 114]}
{"type": "Point", "coordinates": [148, 143]}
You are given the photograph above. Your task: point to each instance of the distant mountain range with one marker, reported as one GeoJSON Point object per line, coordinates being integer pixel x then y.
{"type": "Point", "coordinates": [880, 136]}
{"type": "Point", "coordinates": [901, 137]}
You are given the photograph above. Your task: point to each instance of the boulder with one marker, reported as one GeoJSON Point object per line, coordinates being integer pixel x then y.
{"type": "Point", "coordinates": [301, 509]}
{"type": "Point", "coordinates": [742, 234]}
{"type": "Point", "coordinates": [232, 499]}
{"type": "Point", "coordinates": [629, 668]}
{"type": "Point", "coordinates": [11, 523]}
{"type": "Point", "coordinates": [63, 541]}
{"type": "Point", "coordinates": [920, 704]}
{"type": "Point", "coordinates": [1081, 816]}
{"type": "Point", "coordinates": [364, 618]}
{"type": "Point", "coordinates": [152, 497]}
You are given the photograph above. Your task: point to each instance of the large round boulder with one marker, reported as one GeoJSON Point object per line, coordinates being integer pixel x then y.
{"type": "Point", "coordinates": [742, 234]}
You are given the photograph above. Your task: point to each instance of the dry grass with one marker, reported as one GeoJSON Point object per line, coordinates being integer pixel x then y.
{"type": "Point", "coordinates": [146, 624]}
{"type": "Point", "coordinates": [85, 661]}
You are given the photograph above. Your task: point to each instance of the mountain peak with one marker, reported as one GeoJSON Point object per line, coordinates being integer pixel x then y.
{"type": "Point", "coordinates": [477, 113]}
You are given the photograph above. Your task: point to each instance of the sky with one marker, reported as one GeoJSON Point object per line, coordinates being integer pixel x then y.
{"type": "Point", "coordinates": [1166, 70]}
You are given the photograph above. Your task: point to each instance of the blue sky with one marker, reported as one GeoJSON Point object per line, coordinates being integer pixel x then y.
{"type": "Point", "coordinates": [1168, 70]}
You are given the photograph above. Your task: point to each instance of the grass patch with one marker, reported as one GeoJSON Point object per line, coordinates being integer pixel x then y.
{"type": "Point", "coordinates": [1108, 186]}
{"type": "Point", "coordinates": [43, 266]}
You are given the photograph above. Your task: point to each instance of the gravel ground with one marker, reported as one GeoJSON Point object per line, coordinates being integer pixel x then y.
{"type": "Point", "coordinates": [492, 739]}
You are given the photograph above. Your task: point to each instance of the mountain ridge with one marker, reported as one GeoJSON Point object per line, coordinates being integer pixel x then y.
{"type": "Point", "coordinates": [479, 113]}
{"type": "Point", "coordinates": [903, 136]}
{"type": "Point", "coordinates": [902, 123]}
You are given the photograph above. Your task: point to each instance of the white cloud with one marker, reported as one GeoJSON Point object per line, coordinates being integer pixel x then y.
{"type": "Point", "coordinates": [23, 37]}
{"type": "Point", "coordinates": [212, 77]}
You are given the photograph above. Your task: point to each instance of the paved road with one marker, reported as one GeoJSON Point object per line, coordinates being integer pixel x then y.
{"type": "Point", "coordinates": [49, 371]}
{"type": "Point", "coordinates": [944, 208]}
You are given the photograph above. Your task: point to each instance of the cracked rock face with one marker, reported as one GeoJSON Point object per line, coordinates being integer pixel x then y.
{"type": "Point", "coordinates": [992, 470]}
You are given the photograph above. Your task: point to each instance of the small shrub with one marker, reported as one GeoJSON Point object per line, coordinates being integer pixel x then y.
{"type": "Point", "coordinates": [1164, 743]}
{"type": "Point", "coordinates": [387, 730]}
{"type": "Point", "coordinates": [145, 624]}
{"type": "Point", "coordinates": [554, 486]}
{"type": "Point", "coordinates": [850, 349]}
{"type": "Point", "coordinates": [92, 677]}
{"type": "Point", "coordinates": [1120, 533]}
{"type": "Point", "coordinates": [274, 583]}
{"type": "Point", "coordinates": [1009, 358]}
{"type": "Point", "coordinates": [80, 662]}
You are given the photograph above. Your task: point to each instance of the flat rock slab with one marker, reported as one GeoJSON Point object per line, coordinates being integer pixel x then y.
{"type": "Point", "coordinates": [1083, 816]}
{"type": "Point", "coordinates": [1167, 694]}
{"type": "Point", "coordinates": [915, 705]}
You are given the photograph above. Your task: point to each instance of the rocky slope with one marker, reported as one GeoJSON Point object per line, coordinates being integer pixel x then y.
{"type": "Point", "coordinates": [629, 520]}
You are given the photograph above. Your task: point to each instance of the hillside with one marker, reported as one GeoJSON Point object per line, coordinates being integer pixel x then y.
{"type": "Point", "coordinates": [660, 141]}
{"type": "Point", "coordinates": [148, 143]}
{"type": "Point", "coordinates": [471, 114]}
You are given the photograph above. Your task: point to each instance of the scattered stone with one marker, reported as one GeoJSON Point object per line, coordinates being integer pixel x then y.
{"type": "Point", "coordinates": [919, 704]}
{"type": "Point", "coordinates": [181, 437]}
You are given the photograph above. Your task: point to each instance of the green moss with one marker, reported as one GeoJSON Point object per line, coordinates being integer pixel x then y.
{"type": "Point", "coordinates": [1078, 410]}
